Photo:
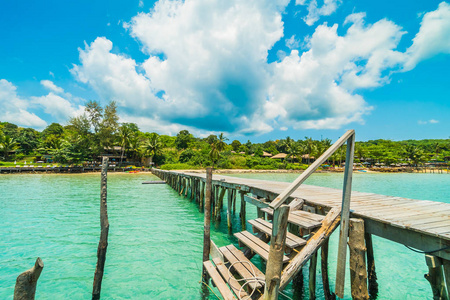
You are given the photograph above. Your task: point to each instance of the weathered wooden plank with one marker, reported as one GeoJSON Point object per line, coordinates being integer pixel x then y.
{"type": "Point", "coordinates": [233, 283]}
{"type": "Point", "coordinates": [292, 241]}
{"type": "Point", "coordinates": [242, 265]}
{"type": "Point", "coordinates": [257, 202]}
{"type": "Point", "coordinates": [258, 246]}
{"type": "Point", "coordinates": [218, 281]}
{"type": "Point", "coordinates": [297, 220]}
{"type": "Point", "coordinates": [329, 224]}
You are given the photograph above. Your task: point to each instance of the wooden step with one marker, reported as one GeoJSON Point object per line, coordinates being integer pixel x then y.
{"type": "Point", "coordinates": [233, 283]}
{"type": "Point", "coordinates": [301, 218]}
{"type": "Point", "coordinates": [261, 225]}
{"type": "Point", "coordinates": [258, 246]}
{"type": "Point", "coordinates": [242, 265]}
{"type": "Point", "coordinates": [221, 285]}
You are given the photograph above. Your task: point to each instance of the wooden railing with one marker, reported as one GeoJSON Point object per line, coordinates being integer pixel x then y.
{"type": "Point", "coordinates": [281, 211]}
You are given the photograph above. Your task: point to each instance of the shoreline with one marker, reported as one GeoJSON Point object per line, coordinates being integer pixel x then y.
{"type": "Point", "coordinates": [78, 170]}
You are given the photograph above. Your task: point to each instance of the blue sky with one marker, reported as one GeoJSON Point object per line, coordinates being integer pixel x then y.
{"type": "Point", "coordinates": [254, 69]}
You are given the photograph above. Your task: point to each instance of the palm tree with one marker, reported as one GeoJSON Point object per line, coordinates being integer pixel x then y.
{"type": "Point", "coordinates": [437, 148]}
{"type": "Point", "coordinates": [153, 146]}
{"type": "Point", "coordinates": [293, 150]}
{"type": "Point", "coordinates": [414, 153]}
{"type": "Point", "coordinates": [309, 146]}
{"type": "Point", "coordinates": [221, 142]}
{"type": "Point", "coordinates": [214, 154]}
{"type": "Point", "coordinates": [125, 135]}
{"type": "Point", "coordinates": [7, 144]}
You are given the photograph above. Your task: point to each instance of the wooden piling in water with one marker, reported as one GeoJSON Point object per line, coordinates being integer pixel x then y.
{"type": "Point", "coordinates": [243, 210]}
{"type": "Point", "coordinates": [103, 243]}
{"type": "Point", "coordinates": [435, 277]}
{"type": "Point", "coordinates": [312, 276]}
{"type": "Point", "coordinates": [26, 282]}
{"type": "Point", "coordinates": [446, 267]}
{"type": "Point", "coordinates": [207, 221]}
{"type": "Point", "coordinates": [358, 272]}
{"type": "Point", "coordinates": [229, 206]}
{"type": "Point", "coordinates": [371, 273]}
{"type": "Point", "coordinates": [324, 268]}
{"type": "Point", "coordinates": [276, 252]}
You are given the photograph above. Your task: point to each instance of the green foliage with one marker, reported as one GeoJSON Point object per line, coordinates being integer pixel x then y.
{"type": "Point", "coordinates": [183, 139]}
{"type": "Point", "coordinates": [179, 166]}
{"type": "Point", "coordinates": [236, 144]}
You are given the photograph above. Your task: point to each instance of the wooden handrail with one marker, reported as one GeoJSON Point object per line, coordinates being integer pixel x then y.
{"type": "Point", "coordinates": [278, 201]}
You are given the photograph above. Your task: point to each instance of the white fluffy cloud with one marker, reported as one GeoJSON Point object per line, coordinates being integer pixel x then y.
{"type": "Point", "coordinates": [18, 110]}
{"type": "Point", "coordinates": [315, 11]}
{"type": "Point", "coordinates": [207, 66]}
{"type": "Point", "coordinates": [15, 109]}
{"type": "Point", "coordinates": [51, 86]}
{"type": "Point", "coordinates": [433, 37]}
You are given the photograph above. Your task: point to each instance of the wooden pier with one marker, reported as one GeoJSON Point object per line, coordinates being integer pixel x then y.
{"type": "Point", "coordinates": [295, 221]}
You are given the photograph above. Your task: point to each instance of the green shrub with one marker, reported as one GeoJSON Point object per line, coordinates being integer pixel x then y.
{"type": "Point", "coordinates": [179, 166]}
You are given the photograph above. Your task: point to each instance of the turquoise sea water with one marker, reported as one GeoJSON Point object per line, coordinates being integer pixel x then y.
{"type": "Point", "coordinates": [155, 240]}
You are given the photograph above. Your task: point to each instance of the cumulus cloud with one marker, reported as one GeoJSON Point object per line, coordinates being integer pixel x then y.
{"type": "Point", "coordinates": [19, 110]}
{"type": "Point", "coordinates": [315, 11]}
{"type": "Point", "coordinates": [207, 66]}
{"type": "Point", "coordinates": [51, 86]}
{"type": "Point", "coordinates": [15, 109]}
{"type": "Point", "coordinates": [433, 37]}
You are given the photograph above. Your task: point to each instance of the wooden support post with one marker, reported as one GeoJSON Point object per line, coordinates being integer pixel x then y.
{"type": "Point", "coordinates": [345, 215]}
{"type": "Point", "coordinates": [358, 272]}
{"type": "Point", "coordinates": [104, 223]}
{"type": "Point", "coordinates": [233, 197]}
{"type": "Point", "coordinates": [297, 285]}
{"type": "Point", "coordinates": [446, 266]}
{"type": "Point", "coordinates": [312, 276]}
{"type": "Point", "coordinates": [26, 282]}
{"type": "Point", "coordinates": [324, 267]}
{"type": "Point", "coordinates": [435, 277]}
{"type": "Point", "coordinates": [229, 206]}
{"type": "Point", "coordinates": [276, 252]}
{"type": "Point", "coordinates": [219, 203]}
{"type": "Point", "coordinates": [371, 273]}
{"type": "Point", "coordinates": [243, 211]}
{"type": "Point", "coordinates": [202, 193]}
{"type": "Point", "coordinates": [207, 223]}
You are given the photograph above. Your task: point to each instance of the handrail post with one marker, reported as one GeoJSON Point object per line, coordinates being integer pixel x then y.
{"type": "Point", "coordinates": [276, 252]}
{"type": "Point", "coordinates": [345, 215]}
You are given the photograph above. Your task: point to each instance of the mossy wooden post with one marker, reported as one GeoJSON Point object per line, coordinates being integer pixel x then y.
{"type": "Point", "coordinates": [324, 268]}
{"type": "Point", "coordinates": [104, 224]}
{"type": "Point", "coordinates": [219, 203]}
{"type": "Point", "coordinates": [26, 282]}
{"type": "Point", "coordinates": [243, 213]}
{"type": "Point", "coordinates": [234, 200]}
{"type": "Point", "coordinates": [371, 273]}
{"type": "Point", "coordinates": [229, 206]}
{"type": "Point", "coordinates": [207, 223]}
{"type": "Point", "coordinates": [312, 276]}
{"type": "Point", "coordinates": [358, 271]}
{"type": "Point", "coordinates": [435, 277]}
{"type": "Point", "coordinates": [446, 266]}
{"type": "Point", "coordinates": [276, 252]}
{"type": "Point", "coordinates": [202, 193]}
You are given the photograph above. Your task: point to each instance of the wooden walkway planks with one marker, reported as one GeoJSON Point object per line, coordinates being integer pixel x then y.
{"type": "Point", "coordinates": [394, 218]}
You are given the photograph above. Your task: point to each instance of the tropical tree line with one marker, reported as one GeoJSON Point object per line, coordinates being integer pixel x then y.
{"type": "Point", "coordinates": [98, 130]}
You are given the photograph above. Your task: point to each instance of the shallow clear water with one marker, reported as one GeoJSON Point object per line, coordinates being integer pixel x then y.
{"type": "Point", "coordinates": [155, 239]}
